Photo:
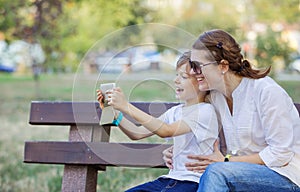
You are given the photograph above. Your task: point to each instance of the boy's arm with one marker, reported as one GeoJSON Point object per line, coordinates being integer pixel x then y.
{"type": "Point", "coordinates": [132, 131]}
{"type": "Point", "coordinates": [154, 125]}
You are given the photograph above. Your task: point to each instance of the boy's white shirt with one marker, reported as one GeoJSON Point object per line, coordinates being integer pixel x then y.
{"type": "Point", "coordinates": [202, 120]}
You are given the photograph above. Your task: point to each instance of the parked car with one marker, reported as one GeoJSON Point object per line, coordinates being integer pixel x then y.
{"type": "Point", "coordinates": [8, 69]}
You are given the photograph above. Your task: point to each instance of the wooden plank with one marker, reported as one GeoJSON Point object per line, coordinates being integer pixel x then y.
{"type": "Point", "coordinates": [64, 113]}
{"type": "Point", "coordinates": [71, 113]}
{"type": "Point", "coordinates": [95, 153]}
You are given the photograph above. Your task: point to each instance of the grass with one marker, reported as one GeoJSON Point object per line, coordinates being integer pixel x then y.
{"type": "Point", "coordinates": [18, 91]}
{"type": "Point", "coordinates": [16, 94]}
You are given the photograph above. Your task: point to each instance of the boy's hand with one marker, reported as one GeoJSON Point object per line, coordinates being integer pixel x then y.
{"type": "Point", "coordinates": [100, 98]}
{"type": "Point", "coordinates": [117, 100]}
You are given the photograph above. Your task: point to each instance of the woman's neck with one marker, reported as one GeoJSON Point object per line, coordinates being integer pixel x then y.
{"type": "Point", "coordinates": [231, 82]}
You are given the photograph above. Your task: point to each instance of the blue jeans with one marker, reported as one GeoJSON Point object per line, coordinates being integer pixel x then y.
{"type": "Point", "coordinates": [238, 176]}
{"type": "Point", "coordinates": [166, 185]}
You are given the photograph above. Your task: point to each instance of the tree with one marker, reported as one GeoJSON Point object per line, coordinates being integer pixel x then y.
{"type": "Point", "coordinates": [270, 46]}
{"type": "Point", "coordinates": [268, 11]}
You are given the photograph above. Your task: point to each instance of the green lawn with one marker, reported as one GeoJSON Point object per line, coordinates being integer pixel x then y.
{"type": "Point", "coordinates": [18, 91]}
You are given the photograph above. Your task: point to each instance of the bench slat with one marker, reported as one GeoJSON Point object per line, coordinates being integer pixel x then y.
{"type": "Point", "coordinates": [71, 113]}
{"type": "Point", "coordinates": [95, 153]}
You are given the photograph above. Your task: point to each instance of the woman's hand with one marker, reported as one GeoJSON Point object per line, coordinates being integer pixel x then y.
{"type": "Point", "coordinates": [167, 157]}
{"type": "Point", "coordinates": [204, 160]}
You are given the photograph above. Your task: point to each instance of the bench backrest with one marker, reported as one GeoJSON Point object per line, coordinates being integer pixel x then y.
{"type": "Point", "coordinates": [88, 113]}
{"type": "Point", "coordinates": [71, 113]}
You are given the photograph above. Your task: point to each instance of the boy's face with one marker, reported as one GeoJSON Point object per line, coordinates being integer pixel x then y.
{"type": "Point", "coordinates": [186, 86]}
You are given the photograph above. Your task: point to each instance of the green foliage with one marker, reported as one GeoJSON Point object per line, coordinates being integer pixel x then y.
{"type": "Point", "coordinates": [274, 10]}
{"type": "Point", "coordinates": [68, 29]}
{"type": "Point", "coordinates": [271, 46]}
{"type": "Point", "coordinates": [209, 14]}
{"type": "Point", "coordinates": [87, 22]}
{"type": "Point", "coordinates": [8, 18]}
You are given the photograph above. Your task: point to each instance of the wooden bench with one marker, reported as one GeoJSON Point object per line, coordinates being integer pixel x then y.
{"type": "Point", "coordinates": [88, 149]}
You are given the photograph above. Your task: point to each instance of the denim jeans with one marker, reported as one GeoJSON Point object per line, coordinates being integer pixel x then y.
{"type": "Point", "coordinates": [166, 185]}
{"type": "Point", "coordinates": [246, 177]}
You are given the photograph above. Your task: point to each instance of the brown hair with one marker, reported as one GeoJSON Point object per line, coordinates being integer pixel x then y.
{"type": "Point", "coordinates": [223, 46]}
{"type": "Point", "coordinates": [184, 59]}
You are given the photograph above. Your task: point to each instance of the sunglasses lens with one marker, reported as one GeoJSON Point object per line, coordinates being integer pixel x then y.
{"type": "Point", "coordinates": [195, 67]}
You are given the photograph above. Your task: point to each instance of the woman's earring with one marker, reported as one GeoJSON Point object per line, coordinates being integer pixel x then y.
{"type": "Point", "coordinates": [223, 72]}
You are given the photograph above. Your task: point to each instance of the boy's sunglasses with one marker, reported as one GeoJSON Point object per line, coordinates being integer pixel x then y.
{"type": "Point", "coordinates": [197, 66]}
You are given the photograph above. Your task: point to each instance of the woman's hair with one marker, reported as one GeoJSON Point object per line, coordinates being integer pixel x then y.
{"type": "Point", "coordinates": [184, 59]}
{"type": "Point", "coordinates": [223, 46]}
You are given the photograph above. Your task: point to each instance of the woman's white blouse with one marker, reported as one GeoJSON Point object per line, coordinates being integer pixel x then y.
{"type": "Point", "coordinates": [264, 120]}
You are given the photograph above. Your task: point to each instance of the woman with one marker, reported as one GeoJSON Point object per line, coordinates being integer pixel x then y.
{"type": "Point", "coordinates": [260, 122]}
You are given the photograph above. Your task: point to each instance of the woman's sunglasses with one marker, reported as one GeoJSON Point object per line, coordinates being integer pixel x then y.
{"type": "Point", "coordinates": [197, 66]}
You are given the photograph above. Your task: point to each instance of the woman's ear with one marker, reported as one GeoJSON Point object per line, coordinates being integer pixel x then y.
{"type": "Point", "coordinates": [224, 66]}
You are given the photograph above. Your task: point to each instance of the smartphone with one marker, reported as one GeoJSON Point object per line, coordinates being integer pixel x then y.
{"type": "Point", "coordinates": [104, 87]}
{"type": "Point", "coordinates": [107, 115]}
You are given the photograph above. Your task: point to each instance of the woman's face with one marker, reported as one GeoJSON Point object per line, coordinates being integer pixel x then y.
{"type": "Point", "coordinates": [211, 77]}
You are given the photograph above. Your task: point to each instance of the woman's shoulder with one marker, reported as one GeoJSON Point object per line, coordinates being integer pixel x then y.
{"type": "Point", "coordinates": [266, 84]}
{"type": "Point", "coordinates": [263, 82]}
{"type": "Point", "coordinates": [267, 89]}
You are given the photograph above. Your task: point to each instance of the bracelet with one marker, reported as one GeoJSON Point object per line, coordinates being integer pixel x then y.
{"type": "Point", "coordinates": [118, 120]}
{"type": "Point", "coordinates": [226, 159]}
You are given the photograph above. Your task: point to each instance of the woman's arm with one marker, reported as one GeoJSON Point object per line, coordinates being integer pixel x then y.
{"type": "Point", "coordinates": [154, 125]}
{"type": "Point", "coordinates": [278, 116]}
{"type": "Point", "coordinates": [202, 161]}
{"type": "Point", "coordinates": [168, 157]}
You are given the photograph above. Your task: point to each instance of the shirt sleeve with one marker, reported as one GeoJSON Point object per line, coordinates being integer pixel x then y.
{"type": "Point", "coordinates": [167, 116]}
{"type": "Point", "coordinates": [276, 111]}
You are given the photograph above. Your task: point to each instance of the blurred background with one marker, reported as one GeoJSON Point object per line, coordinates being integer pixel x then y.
{"type": "Point", "coordinates": [61, 50]}
{"type": "Point", "coordinates": [55, 35]}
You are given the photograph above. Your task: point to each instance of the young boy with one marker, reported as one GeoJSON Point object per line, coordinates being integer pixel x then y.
{"type": "Point", "coordinates": [192, 124]}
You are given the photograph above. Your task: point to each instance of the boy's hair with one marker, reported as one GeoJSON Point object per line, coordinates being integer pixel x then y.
{"type": "Point", "coordinates": [184, 59]}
